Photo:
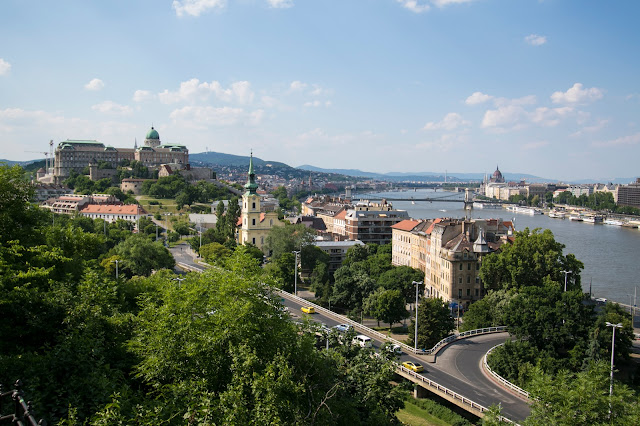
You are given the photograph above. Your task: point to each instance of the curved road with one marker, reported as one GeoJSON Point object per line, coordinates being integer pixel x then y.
{"type": "Point", "coordinates": [457, 367]}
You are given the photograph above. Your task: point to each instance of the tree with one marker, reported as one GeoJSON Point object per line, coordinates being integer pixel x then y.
{"type": "Point", "coordinates": [141, 256]}
{"type": "Point", "coordinates": [434, 323]}
{"type": "Point", "coordinates": [285, 239]}
{"type": "Point", "coordinates": [531, 258]}
{"type": "Point", "coordinates": [387, 306]}
{"type": "Point", "coordinates": [401, 278]}
{"type": "Point", "coordinates": [351, 287]}
{"type": "Point", "coordinates": [282, 269]}
{"type": "Point", "coordinates": [581, 398]}
{"type": "Point", "coordinates": [214, 252]}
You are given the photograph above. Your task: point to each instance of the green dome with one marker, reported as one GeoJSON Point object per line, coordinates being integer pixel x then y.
{"type": "Point", "coordinates": [153, 134]}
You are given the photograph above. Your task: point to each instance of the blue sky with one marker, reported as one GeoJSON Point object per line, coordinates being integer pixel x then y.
{"type": "Point", "coordinates": [543, 87]}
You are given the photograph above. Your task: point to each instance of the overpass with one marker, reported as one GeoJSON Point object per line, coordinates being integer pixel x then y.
{"type": "Point", "coordinates": [453, 369]}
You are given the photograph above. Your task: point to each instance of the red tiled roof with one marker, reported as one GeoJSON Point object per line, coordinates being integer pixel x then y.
{"type": "Point", "coordinates": [428, 231]}
{"type": "Point", "coordinates": [128, 209]}
{"type": "Point", "coordinates": [405, 225]}
{"type": "Point", "coordinates": [341, 215]}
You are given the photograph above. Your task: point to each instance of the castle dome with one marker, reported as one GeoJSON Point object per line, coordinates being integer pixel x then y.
{"type": "Point", "coordinates": [153, 134]}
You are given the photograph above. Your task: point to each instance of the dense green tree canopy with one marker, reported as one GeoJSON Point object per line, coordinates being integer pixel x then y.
{"type": "Point", "coordinates": [434, 323]}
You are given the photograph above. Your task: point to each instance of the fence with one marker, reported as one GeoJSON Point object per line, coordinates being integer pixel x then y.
{"type": "Point", "coordinates": [504, 382]}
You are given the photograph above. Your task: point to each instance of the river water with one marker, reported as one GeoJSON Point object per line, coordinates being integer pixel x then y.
{"type": "Point", "coordinates": [609, 253]}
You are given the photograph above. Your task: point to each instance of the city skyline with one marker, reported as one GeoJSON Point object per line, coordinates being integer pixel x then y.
{"type": "Point", "coordinates": [547, 88]}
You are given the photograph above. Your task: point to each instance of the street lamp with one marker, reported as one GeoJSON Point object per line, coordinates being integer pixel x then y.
{"type": "Point", "coordinates": [116, 262]}
{"type": "Point", "coordinates": [179, 281]}
{"type": "Point", "coordinates": [415, 339]}
{"type": "Point", "coordinates": [565, 278]}
{"type": "Point", "coordinates": [295, 285]}
{"type": "Point", "coordinates": [613, 340]}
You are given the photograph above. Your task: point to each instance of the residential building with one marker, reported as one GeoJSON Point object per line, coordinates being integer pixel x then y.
{"type": "Point", "coordinates": [401, 239]}
{"type": "Point", "coordinates": [372, 222]}
{"type": "Point", "coordinates": [337, 251]}
{"type": "Point", "coordinates": [629, 195]}
{"type": "Point", "coordinates": [455, 249]}
{"type": "Point", "coordinates": [111, 213]}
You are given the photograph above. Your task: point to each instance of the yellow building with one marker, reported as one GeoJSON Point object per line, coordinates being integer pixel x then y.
{"type": "Point", "coordinates": [254, 223]}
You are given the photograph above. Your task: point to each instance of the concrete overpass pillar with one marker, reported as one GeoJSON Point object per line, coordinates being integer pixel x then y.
{"type": "Point", "coordinates": [419, 392]}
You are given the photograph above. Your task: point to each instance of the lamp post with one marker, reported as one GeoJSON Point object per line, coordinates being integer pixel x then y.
{"type": "Point", "coordinates": [295, 278]}
{"type": "Point", "coordinates": [613, 341]}
{"type": "Point", "coordinates": [116, 262]}
{"type": "Point", "coordinates": [565, 278]}
{"type": "Point", "coordinates": [179, 281]}
{"type": "Point", "coordinates": [415, 339]}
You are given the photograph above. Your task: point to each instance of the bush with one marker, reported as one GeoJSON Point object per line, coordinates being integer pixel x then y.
{"type": "Point", "coordinates": [439, 411]}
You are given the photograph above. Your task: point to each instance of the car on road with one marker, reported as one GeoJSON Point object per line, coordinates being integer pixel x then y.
{"type": "Point", "coordinates": [413, 366]}
{"type": "Point", "coordinates": [343, 328]}
{"type": "Point", "coordinates": [393, 348]}
{"type": "Point", "coordinates": [362, 341]}
{"type": "Point", "coordinates": [308, 310]}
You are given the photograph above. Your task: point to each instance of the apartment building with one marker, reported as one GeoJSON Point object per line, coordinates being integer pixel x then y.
{"type": "Point", "coordinates": [454, 252]}
{"type": "Point", "coordinates": [372, 222]}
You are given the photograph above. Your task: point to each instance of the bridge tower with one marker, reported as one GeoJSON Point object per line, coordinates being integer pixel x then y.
{"type": "Point", "coordinates": [468, 203]}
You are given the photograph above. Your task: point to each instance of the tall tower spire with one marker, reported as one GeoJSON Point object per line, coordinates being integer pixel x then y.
{"type": "Point", "coordinates": [251, 186]}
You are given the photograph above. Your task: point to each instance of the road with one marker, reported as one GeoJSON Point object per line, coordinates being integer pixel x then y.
{"type": "Point", "coordinates": [457, 367]}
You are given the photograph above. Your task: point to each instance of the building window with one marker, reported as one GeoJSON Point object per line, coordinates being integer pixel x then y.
{"type": "Point", "coordinates": [476, 292]}
{"type": "Point", "coordinates": [253, 241]}
{"type": "Point", "coordinates": [468, 292]}
{"type": "Point", "coordinates": [468, 279]}
{"type": "Point", "coordinates": [461, 266]}
{"type": "Point", "coordinates": [468, 266]}
{"type": "Point", "coordinates": [253, 221]}
{"type": "Point", "coordinates": [253, 206]}
{"type": "Point", "coordinates": [459, 292]}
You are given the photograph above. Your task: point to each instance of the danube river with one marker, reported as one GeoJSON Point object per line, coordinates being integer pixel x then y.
{"type": "Point", "coordinates": [608, 252]}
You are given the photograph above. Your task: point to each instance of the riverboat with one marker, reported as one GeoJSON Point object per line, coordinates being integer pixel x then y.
{"type": "Point", "coordinates": [576, 218]}
{"type": "Point", "coordinates": [481, 205]}
{"type": "Point", "coordinates": [614, 222]}
{"type": "Point", "coordinates": [557, 214]}
{"type": "Point", "coordinates": [593, 218]}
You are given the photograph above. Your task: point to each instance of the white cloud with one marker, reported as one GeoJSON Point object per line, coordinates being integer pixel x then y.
{"type": "Point", "coordinates": [94, 85]}
{"type": "Point", "coordinates": [599, 125]}
{"type": "Point", "coordinates": [196, 7]}
{"type": "Point", "coordinates": [478, 98]}
{"type": "Point", "coordinates": [506, 116]}
{"type": "Point", "coordinates": [317, 103]}
{"type": "Point", "coordinates": [142, 95]}
{"type": "Point", "coordinates": [550, 116]}
{"type": "Point", "coordinates": [297, 86]}
{"type": "Point", "coordinates": [201, 117]}
{"type": "Point", "coordinates": [5, 67]}
{"type": "Point", "coordinates": [577, 94]}
{"type": "Point", "coordinates": [443, 3]}
{"type": "Point", "coordinates": [525, 100]}
{"type": "Point", "coordinates": [625, 140]}
{"type": "Point", "coordinates": [451, 121]}
{"type": "Point", "coordinates": [280, 4]}
{"type": "Point", "coordinates": [110, 107]}
{"type": "Point", "coordinates": [535, 39]}
{"type": "Point", "coordinates": [192, 91]}
{"type": "Point", "coordinates": [414, 5]}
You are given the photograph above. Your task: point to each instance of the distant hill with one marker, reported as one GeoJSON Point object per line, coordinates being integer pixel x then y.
{"type": "Point", "coordinates": [431, 176]}
{"type": "Point", "coordinates": [218, 158]}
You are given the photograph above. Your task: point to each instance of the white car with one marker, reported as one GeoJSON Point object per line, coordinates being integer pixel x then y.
{"type": "Point", "coordinates": [343, 328]}
{"type": "Point", "coordinates": [362, 341]}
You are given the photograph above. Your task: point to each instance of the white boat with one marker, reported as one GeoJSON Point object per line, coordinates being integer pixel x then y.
{"type": "Point", "coordinates": [592, 219]}
{"type": "Point", "coordinates": [614, 222]}
{"type": "Point", "coordinates": [527, 210]}
{"type": "Point", "coordinates": [556, 214]}
{"type": "Point", "coordinates": [481, 205]}
{"type": "Point", "coordinates": [576, 218]}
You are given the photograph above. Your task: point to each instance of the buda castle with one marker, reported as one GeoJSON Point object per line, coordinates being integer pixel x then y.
{"type": "Point", "coordinates": [78, 154]}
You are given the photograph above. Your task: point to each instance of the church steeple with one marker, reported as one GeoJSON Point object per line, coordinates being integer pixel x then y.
{"type": "Point", "coordinates": [251, 186]}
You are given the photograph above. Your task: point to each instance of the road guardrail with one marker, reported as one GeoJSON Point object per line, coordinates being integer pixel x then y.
{"type": "Point", "coordinates": [504, 382]}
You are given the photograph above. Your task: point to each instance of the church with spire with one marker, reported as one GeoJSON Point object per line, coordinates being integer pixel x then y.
{"type": "Point", "coordinates": [254, 224]}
